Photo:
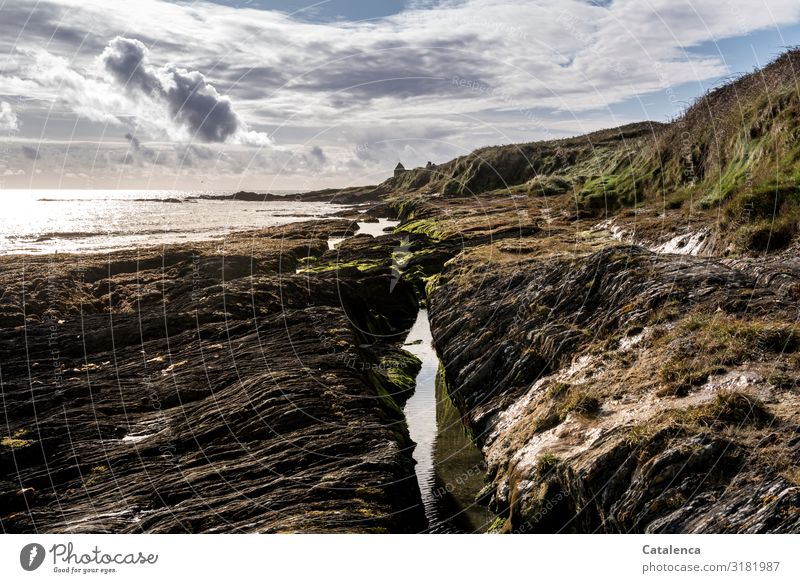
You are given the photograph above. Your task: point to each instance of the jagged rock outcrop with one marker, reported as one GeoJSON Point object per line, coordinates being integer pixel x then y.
{"type": "Point", "coordinates": [626, 391]}
{"type": "Point", "coordinates": [207, 388]}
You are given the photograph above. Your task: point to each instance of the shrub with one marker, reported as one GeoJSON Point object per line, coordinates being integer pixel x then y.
{"type": "Point", "coordinates": [733, 408]}
{"type": "Point", "coordinates": [580, 402]}
{"type": "Point", "coordinates": [769, 235]}
{"type": "Point", "coordinates": [548, 185]}
{"type": "Point", "coordinates": [546, 463]}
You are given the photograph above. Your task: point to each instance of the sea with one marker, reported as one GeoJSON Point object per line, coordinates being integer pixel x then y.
{"type": "Point", "coordinates": [82, 221]}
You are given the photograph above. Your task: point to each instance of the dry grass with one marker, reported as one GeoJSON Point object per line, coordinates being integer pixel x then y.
{"type": "Point", "coordinates": [730, 408]}
{"type": "Point", "coordinates": [706, 344]}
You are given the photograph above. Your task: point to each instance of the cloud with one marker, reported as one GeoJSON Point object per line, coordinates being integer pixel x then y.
{"type": "Point", "coordinates": [192, 102]}
{"type": "Point", "coordinates": [317, 154]}
{"type": "Point", "coordinates": [134, 142]}
{"type": "Point", "coordinates": [139, 154]}
{"type": "Point", "coordinates": [30, 153]}
{"type": "Point", "coordinates": [245, 137]}
{"type": "Point", "coordinates": [8, 119]}
{"type": "Point", "coordinates": [58, 81]}
{"type": "Point", "coordinates": [364, 93]}
{"type": "Point", "coordinates": [126, 60]}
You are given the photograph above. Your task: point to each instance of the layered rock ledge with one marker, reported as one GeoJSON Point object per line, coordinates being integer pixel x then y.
{"type": "Point", "coordinates": [625, 391]}
{"type": "Point", "coordinates": [206, 388]}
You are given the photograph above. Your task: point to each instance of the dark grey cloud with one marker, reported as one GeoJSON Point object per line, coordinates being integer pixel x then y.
{"type": "Point", "coordinates": [316, 153]}
{"type": "Point", "coordinates": [30, 153]}
{"type": "Point", "coordinates": [191, 100]}
{"type": "Point", "coordinates": [134, 141]}
{"type": "Point", "coordinates": [126, 60]}
{"type": "Point", "coordinates": [138, 153]}
{"type": "Point", "coordinates": [399, 70]}
{"type": "Point", "coordinates": [196, 104]}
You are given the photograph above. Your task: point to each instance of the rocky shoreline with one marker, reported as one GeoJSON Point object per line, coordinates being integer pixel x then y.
{"type": "Point", "coordinates": [206, 388]}
{"type": "Point", "coordinates": [616, 315]}
{"type": "Point", "coordinates": [255, 384]}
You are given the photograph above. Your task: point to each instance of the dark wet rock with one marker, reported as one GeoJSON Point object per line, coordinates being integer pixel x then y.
{"type": "Point", "coordinates": [568, 370]}
{"type": "Point", "coordinates": [199, 391]}
{"type": "Point", "coordinates": [780, 272]}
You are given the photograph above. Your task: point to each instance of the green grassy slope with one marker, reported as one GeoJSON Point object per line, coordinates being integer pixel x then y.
{"type": "Point", "coordinates": [734, 155]}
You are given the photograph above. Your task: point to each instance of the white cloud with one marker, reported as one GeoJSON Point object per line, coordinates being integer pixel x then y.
{"type": "Point", "coordinates": [187, 99]}
{"type": "Point", "coordinates": [246, 137]}
{"type": "Point", "coordinates": [8, 119]}
{"type": "Point", "coordinates": [546, 67]}
{"type": "Point", "coordinates": [59, 82]}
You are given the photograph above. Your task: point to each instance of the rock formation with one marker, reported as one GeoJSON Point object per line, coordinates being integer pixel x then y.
{"type": "Point", "coordinates": [207, 388]}
{"type": "Point", "coordinates": [615, 313]}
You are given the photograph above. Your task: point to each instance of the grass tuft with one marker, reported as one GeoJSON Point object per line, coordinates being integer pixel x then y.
{"type": "Point", "coordinates": [733, 408]}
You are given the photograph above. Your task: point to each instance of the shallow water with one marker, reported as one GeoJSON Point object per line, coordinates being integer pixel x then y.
{"type": "Point", "coordinates": [374, 229]}
{"type": "Point", "coordinates": [45, 221]}
{"type": "Point", "coordinates": [449, 467]}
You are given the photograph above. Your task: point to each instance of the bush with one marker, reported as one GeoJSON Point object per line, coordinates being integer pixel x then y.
{"type": "Point", "coordinates": [676, 200]}
{"type": "Point", "coordinates": [580, 402]}
{"type": "Point", "coordinates": [546, 463]}
{"type": "Point", "coordinates": [733, 408]}
{"type": "Point", "coordinates": [762, 201]}
{"type": "Point", "coordinates": [769, 235]}
{"type": "Point", "coordinates": [544, 185]}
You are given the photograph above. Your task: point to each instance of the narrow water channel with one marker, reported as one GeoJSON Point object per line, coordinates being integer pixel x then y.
{"type": "Point", "coordinates": [449, 467]}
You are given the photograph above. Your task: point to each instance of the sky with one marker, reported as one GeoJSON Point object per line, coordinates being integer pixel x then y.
{"type": "Point", "coordinates": [293, 95]}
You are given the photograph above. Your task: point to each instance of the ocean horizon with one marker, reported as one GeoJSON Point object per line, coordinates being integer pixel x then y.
{"type": "Point", "coordinates": [41, 221]}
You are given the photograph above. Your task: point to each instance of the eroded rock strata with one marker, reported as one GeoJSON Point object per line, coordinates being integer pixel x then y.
{"type": "Point", "coordinates": [626, 391]}
{"type": "Point", "coordinates": [206, 388]}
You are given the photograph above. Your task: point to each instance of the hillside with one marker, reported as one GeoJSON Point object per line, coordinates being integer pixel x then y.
{"type": "Point", "coordinates": [731, 160]}
{"type": "Point", "coordinates": [616, 316]}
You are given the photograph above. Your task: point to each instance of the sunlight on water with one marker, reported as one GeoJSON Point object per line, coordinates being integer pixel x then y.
{"type": "Point", "coordinates": [382, 227]}
{"type": "Point", "coordinates": [376, 229]}
{"type": "Point", "coordinates": [449, 467]}
{"type": "Point", "coordinates": [420, 409]}
{"type": "Point", "coordinates": [45, 221]}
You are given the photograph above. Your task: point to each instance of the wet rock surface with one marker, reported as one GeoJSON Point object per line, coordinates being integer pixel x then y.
{"type": "Point", "coordinates": [622, 390]}
{"type": "Point", "coordinates": [616, 321]}
{"type": "Point", "coordinates": [205, 388]}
